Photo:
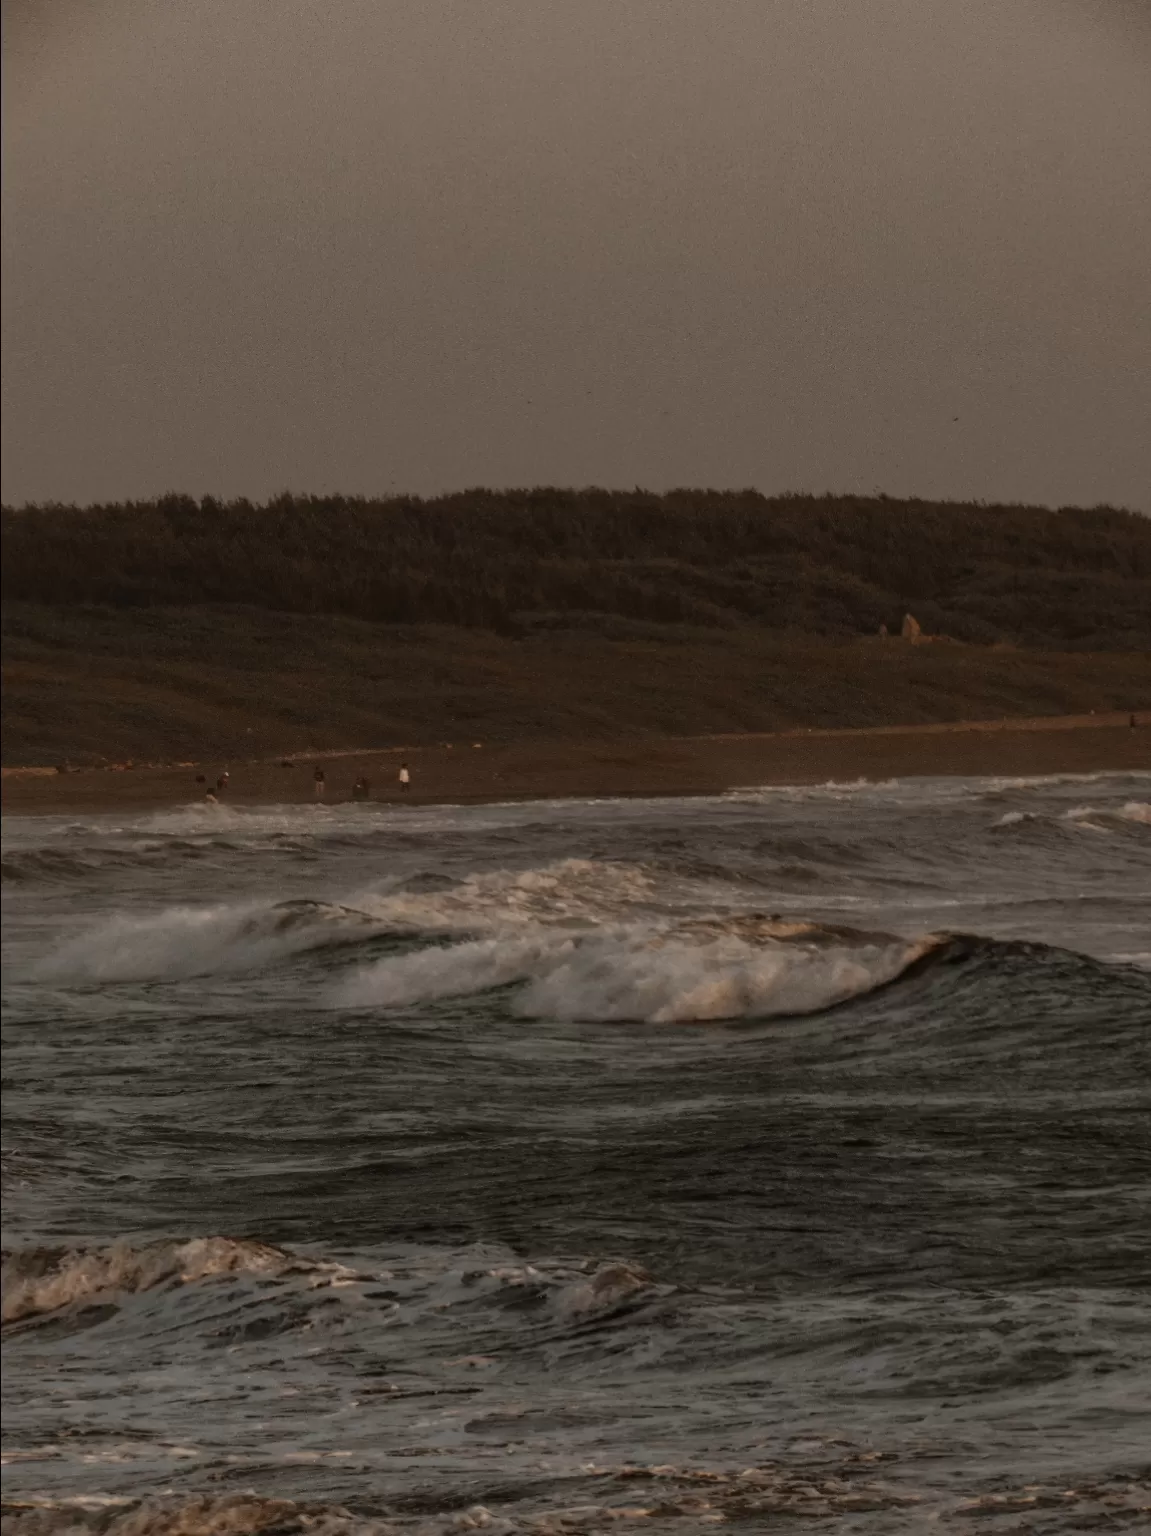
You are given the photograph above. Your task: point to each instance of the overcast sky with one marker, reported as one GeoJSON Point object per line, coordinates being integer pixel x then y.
{"type": "Point", "coordinates": [415, 245]}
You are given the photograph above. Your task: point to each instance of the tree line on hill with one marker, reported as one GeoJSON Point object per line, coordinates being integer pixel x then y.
{"type": "Point", "coordinates": [510, 560]}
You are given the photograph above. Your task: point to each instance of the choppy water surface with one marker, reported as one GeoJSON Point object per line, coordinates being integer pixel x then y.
{"type": "Point", "coordinates": [543, 1167]}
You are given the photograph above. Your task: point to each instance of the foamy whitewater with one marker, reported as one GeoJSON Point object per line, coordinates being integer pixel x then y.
{"type": "Point", "coordinates": [546, 1168]}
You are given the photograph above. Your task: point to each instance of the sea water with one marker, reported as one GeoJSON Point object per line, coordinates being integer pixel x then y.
{"type": "Point", "coordinates": [541, 1167]}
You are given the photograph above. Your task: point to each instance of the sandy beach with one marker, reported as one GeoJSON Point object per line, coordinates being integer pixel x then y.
{"type": "Point", "coordinates": [465, 772]}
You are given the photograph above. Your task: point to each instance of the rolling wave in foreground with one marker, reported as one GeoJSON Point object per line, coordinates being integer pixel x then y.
{"type": "Point", "coordinates": [576, 1166]}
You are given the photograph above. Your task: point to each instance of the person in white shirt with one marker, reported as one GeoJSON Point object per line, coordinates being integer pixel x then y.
{"type": "Point", "coordinates": [405, 778]}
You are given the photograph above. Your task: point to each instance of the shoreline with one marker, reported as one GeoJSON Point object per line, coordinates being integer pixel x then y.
{"type": "Point", "coordinates": [471, 774]}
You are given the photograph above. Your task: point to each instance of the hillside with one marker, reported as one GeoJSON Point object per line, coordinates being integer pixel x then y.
{"type": "Point", "coordinates": [519, 561]}
{"type": "Point", "coordinates": [164, 684]}
{"type": "Point", "coordinates": [176, 630]}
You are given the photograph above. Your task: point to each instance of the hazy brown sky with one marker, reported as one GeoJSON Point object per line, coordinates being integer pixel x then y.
{"type": "Point", "coordinates": [373, 245]}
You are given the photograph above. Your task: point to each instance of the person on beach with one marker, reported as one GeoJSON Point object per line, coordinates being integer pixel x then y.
{"type": "Point", "coordinates": [222, 782]}
{"type": "Point", "coordinates": [361, 789]}
{"type": "Point", "coordinates": [210, 796]}
{"type": "Point", "coordinates": [405, 778]}
{"type": "Point", "coordinates": [318, 781]}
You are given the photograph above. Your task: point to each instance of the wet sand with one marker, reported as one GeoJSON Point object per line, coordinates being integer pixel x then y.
{"type": "Point", "coordinates": [694, 765]}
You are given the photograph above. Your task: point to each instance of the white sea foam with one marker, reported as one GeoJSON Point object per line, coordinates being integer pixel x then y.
{"type": "Point", "coordinates": [194, 941]}
{"type": "Point", "coordinates": [569, 891]}
{"type": "Point", "coordinates": [611, 1286]}
{"type": "Point", "coordinates": [583, 939]}
{"type": "Point", "coordinates": [831, 789]}
{"type": "Point", "coordinates": [1013, 818]}
{"type": "Point", "coordinates": [655, 976]}
{"type": "Point", "coordinates": [1096, 818]}
{"type": "Point", "coordinates": [204, 817]}
{"type": "Point", "coordinates": [1136, 810]}
{"type": "Point", "coordinates": [925, 790]}
{"type": "Point", "coordinates": [729, 978]}
{"type": "Point", "coordinates": [39, 1280]}
{"type": "Point", "coordinates": [1092, 818]}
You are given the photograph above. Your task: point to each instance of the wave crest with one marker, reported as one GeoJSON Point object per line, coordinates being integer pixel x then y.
{"type": "Point", "coordinates": [194, 941]}
{"type": "Point", "coordinates": [38, 1280]}
{"type": "Point", "coordinates": [1134, 815]}
{"type": "Point", "coordinates": [691, 973]}
{"type": "Point", "coordinates": [581, 939]}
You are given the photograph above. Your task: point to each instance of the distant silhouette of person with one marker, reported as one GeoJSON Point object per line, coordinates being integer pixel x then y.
{"type": "Point", "coordinates": [361, 789]}
{"type": "Point", "coordinates": [405, 778]}
{"type": "Point", "coordinates": [1132, 722]}
{"type": "Point", "coordinates": [318, 781]}
{"type": "Point", "coordinates": [222, 782]}
{"type": "Point", "coordinates": [210, 796]}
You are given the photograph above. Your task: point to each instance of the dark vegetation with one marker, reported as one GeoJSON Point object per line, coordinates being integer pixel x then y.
{"type": "Point", "coordinates": [515, 562]}
{"type": "Point", "coordinates": [179, 629]}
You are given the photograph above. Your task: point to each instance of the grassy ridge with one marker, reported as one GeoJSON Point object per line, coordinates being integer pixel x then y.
{"type": "Point", "coordinates": [170, 684]}
{"type": "Point", "coordinates": [520, 562]}
{"type": "Point", "coordinates": [174, 629]}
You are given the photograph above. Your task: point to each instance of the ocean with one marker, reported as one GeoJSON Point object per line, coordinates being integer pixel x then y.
{"type": "Point", "coordinates": [574, 1166]}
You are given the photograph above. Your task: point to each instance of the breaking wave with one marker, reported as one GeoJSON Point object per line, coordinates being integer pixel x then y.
{"type": "Point", "coordinates": [654, 976]}
{"type": "Point", "coordinates": [1134, 815]}
{"type": "Point", "coordinates": [581, 939]}
{"type": "Point", "coordinates": [41, 1281]}
{"type": "Point", "coordinates": [191, 941]}
{"type": "Point", "coordinates": [572, 892]}
{"type": "Point", "coordinates": [195, 941]}
{"type": "Point", "coordinates": [38, 1280]}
